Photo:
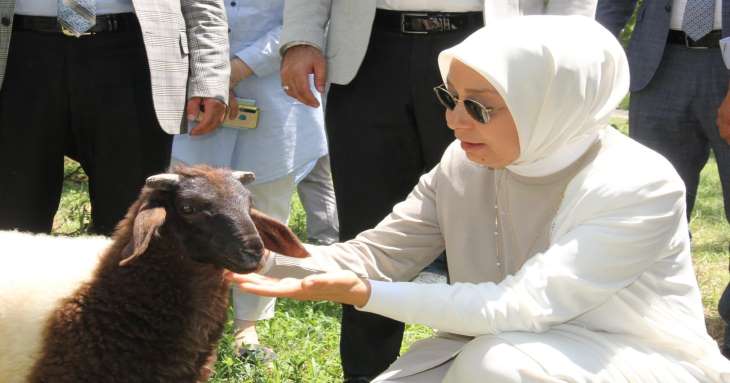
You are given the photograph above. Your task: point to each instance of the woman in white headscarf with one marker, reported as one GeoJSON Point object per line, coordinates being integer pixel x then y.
{"type": "Point", "coordinates": [569, 256]}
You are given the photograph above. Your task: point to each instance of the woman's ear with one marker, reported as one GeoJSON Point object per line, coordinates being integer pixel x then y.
{"type": "Point", "coordinates": [277, 237]}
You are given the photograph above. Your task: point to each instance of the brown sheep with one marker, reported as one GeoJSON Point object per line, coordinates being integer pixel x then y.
{"type": "Point", "coordinates": [155, 304]}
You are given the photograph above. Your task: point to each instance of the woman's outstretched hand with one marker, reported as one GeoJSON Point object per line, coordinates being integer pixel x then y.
{"type": "Point", "coordinates": [340, 286]}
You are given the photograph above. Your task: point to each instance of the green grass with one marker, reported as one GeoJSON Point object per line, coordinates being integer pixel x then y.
{"type": "Point", "coordinates": [305, 334]}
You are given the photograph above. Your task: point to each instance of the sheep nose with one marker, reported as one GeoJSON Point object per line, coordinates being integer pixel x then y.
{"type": "Point", "coordinates": [256, 257]}
{"type": "Point", "coordinates": [253, 245]}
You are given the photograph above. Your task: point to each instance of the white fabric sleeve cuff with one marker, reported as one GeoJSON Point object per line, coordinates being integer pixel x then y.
{"type": "Point", "coordinates": [282, 266]}
{"type": "Point", "coordinates": [725, 49]}
{"type": "Point", "coordinates": [386, 298]}
{"type": "Point", "coordinates": [268, 264]}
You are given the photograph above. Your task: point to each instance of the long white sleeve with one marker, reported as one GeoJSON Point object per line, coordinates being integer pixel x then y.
{"type": "Point", "coordinates": [583, 268]}
{"type": "Point", "coordinates": [399, 247]}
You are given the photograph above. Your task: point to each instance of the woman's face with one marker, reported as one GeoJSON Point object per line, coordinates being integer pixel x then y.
{"type": "Point", "coordinates": [494, 144]}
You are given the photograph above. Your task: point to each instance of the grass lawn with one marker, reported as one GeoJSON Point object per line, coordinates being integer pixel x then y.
{"type": "Point", "coordinates": [305, 334]}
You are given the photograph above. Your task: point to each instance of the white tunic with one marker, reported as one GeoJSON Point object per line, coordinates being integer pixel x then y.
{"type": "Point", "coordinates": [608, 277]}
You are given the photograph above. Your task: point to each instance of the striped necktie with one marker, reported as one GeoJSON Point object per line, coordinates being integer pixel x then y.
{"type": "Point", "coordinates": [699, 17]}
{"type": "Point", "coordinates": [76, 16]}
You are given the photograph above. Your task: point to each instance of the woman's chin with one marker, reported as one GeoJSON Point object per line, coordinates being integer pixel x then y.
{"type": "Point", "coordinates": [482, 159]}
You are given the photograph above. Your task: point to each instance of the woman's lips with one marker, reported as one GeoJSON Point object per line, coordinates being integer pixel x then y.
{"type": "Point", "coordinates": [468, 146]}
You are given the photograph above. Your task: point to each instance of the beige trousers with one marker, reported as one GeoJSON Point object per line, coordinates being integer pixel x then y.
{"type": "Point", "coordinates": [273, 199]}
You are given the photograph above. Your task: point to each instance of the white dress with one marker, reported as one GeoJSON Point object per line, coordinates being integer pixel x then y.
{"type": "Point", "coordinates": [586, 273]}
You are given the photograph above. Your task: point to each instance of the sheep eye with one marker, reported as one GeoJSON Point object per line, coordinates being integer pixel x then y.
{"type": "Point", "coordinates": [187, 209]}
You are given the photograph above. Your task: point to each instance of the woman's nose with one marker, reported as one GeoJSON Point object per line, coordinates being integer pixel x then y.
{"type": "Point", "coordinates": [458, 118]}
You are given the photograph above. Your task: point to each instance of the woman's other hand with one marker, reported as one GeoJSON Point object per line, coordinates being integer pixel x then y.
{"type": "Point", "coordinates": [340, 286]}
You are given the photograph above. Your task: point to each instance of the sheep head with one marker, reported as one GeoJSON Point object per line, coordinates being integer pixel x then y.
{"type": "Point", "coordinates": [207, 214]}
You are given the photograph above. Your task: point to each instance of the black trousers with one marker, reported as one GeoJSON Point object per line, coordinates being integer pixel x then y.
{"type": "Point", "coordinates": [385, 129]}
{"type": "Point", "coordinates": [90, 99]}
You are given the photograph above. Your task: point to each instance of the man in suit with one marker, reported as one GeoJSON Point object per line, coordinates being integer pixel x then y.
{"type": "Point", "coordinates": [105, 82]}
{"type": "Point", "coordinates": [384, 127]}
{"type": "Point", "coordinates": [680, 105]}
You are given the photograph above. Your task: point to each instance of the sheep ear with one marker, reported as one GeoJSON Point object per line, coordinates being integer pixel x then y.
{"type": "Point", "coordinates": [145, 226]}
{"type": "Point", "coordinates": [278, 237]}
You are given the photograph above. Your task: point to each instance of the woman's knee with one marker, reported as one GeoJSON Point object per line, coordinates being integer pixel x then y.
{"type": "Point", "coordinates": [491, 359]}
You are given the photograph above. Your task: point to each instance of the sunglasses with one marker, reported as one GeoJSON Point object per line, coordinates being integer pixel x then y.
{"type": "Point", "coordinates": [476, 110]}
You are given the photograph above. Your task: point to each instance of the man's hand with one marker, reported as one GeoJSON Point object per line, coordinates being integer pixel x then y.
{"type": "Point", "coordinates": [298, 62]}
{"type": "Point", "coordinates": [213, 114]}
{"type": "Point", "coordinates": [723, 118]}
{"type": "Point", "coordinates": [340, 286]}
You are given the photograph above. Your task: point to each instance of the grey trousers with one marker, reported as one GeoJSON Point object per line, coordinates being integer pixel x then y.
{"type": "Point", "coordinates": [318, 200]}
{"type": "Point", "coordinates": [675, 114]}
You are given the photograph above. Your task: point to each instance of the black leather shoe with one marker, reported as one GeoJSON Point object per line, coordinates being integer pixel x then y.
{"type": "Point", "coordinates": [358, 379]}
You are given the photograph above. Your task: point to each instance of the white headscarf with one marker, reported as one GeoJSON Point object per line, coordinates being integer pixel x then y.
{"type": "Point", "coordinates": [561, 77]}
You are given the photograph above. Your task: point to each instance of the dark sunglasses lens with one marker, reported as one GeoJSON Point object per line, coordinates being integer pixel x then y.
{"type": "Point", "coordinates": [476, 111]}
{"type": "Point", "coordinates": [444, 97]}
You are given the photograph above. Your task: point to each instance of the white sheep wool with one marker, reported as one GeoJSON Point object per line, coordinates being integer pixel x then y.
{"type": "Point", "coordinates": [559, 100]}
{"type": "Point", "coordinates": [36, 273]}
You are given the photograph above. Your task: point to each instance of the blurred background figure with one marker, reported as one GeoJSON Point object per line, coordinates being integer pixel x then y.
{"type": "Point", "coordinates": [102, 82]}
{"type": "Point", "coordinates": [680, 104]}
{"type": "Point", "coordinates": [282, 149]}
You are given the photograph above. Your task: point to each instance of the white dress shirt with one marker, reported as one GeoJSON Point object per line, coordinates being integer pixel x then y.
{"type": "Point", "coordinates": [50, 7]}
{"type": "Point", "coordinates": [432, 5]}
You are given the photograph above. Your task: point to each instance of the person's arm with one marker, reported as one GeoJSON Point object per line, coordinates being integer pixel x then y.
{"type": "Point", "coordinates": [614, 14]}
{"type": "Point", "coordinates": [302, 48]}
{"type": "Point", "coordinates": [584, 267]}
{"type": "Point", "coordinates": [262, 57]}
{"type": "Point", "coordinates": [398, 248]}
{"type": "Point", "coordinates": [305, 22]}
{"type": "Point", "coordinates": [571, 7]}
{"type": "Point", "coordinates": [209, 70]}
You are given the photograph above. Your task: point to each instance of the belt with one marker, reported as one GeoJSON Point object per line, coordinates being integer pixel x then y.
{"type": "Point", "coordinates": [710, 40]}
{"type": "Point", "coordinates": [423, 23]}
{"type": "Point", "coordinates": [116, 22]}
